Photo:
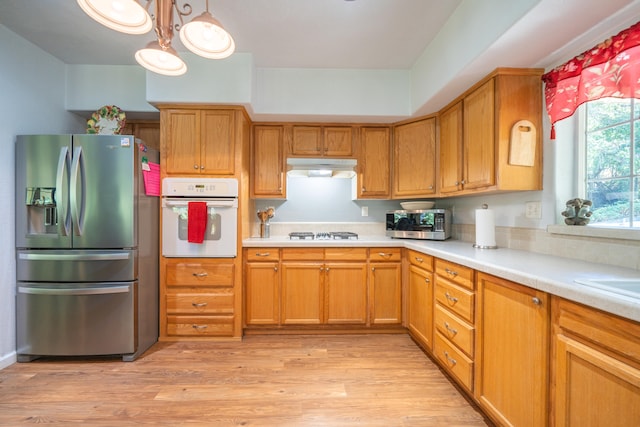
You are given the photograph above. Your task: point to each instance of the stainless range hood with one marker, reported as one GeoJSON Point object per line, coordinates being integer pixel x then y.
{"type": "Point", "coordinates": [321, 167]}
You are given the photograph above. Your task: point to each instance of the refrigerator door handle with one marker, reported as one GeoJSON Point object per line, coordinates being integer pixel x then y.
{"type": "Point", "coordinates": [74, 257]}
{"type": "Point", "coordinates": [78, 207]}
{"type": "Point", "coordinates": [63, 208]}
{"type": "Point", "coordinates": [79, 291]}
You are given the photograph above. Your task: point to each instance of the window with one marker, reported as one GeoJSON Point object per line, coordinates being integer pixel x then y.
{"type": "Point", "coordinates": [610, 169]}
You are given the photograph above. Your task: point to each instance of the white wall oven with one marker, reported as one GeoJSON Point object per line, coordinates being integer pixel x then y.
{"type": "Point", "coordinates": [212, 204]}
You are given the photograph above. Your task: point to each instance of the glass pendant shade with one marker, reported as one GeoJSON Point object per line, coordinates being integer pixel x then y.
{"type": "Point", "coordinates": [125, 16]}
{"type": "Point", "coordinates": [161, 60]}
{"type": "Point", "coordinates": [206, 37]}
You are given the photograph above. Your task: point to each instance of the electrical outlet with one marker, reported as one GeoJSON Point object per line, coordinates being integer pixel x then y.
{"type": "Point", "coordinates": [533, 210]}
{"type": "Point", "coordinates": [364, 211]}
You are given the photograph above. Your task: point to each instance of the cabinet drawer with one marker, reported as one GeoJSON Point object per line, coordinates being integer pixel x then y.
{"type": "Point", "coordinates": [303, 254]}
{"type": "Point", "coordinates": [385, 254]}
{"type": "Point", "coordinates": [454, 361]}
{"type": "Point", "coordinates": [192, 303]}
{"type": "Point", "coordinates": [456, 273]}
{"type": "Point", "coordinates": [420, 260]}
{"type": "Point", "coordinates": [456, 330]}
{"type": "Point", "coordinates": [262, 254]}
{"type": "Point", "coordinates": [345, 254]}
{"type": "Point", "coordinates": [455, 298]}
{"type": "Point", "coordinates": [203, 326]}
{"type": "Point", "coordinates": [199, 274]}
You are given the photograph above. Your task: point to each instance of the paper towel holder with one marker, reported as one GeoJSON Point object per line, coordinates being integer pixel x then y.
{"type": "Point", "coordinates": [476, 245]}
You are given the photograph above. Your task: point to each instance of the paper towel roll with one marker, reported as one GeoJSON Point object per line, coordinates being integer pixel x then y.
{"type": "Point", "coordinates": [485, 229]}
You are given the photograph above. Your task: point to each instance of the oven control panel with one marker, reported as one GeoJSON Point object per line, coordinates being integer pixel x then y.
{"type": "Point", "coordinates": [200, 187]}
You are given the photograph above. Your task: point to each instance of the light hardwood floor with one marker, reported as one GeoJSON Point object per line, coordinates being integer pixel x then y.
{"type": "Point", "coordinates": [265, 380]}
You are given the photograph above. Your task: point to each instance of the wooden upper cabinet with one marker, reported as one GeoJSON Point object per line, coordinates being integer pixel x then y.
{"type": "Point", "coordinates": [451, 149]}
{"type": "Point", "coordinates": [479, 138]}
{"type": "Point", "coordinates": [307, 141]}
{"type": "Point", "coordinates": [414, 159]}
{"type": "Point", "coordinates": [338, 141]}
{"type": "Point", "coordinates": [374, 177]}
{"type": "Point", "coordinates": [217, 147]}
{"type": "Point", "coordinates": [481, 148]}
{"type": "Point", "coordinates": [268, 177]}
{"type": "Point", "coordinates": [319, 141]}
{"type": "Point", "coordinates": [197, 141]}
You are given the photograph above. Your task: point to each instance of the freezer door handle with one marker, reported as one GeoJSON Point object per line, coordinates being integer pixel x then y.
{"type": "Point", "coordinates": [79, 291]}
{"type": "Point", "coordinates": [75, 257]}
{"type": "Point", "coordinates": [62, 208]}
{"type": "Point", "coordinates": [78, 206]}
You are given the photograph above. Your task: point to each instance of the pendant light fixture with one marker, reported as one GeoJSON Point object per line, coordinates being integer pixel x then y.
{"type": "Point", "coordinates": [204, 35]}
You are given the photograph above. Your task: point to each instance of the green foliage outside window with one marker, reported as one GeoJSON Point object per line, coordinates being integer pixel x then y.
{"type": "Point", "coordinates": [612, 147]}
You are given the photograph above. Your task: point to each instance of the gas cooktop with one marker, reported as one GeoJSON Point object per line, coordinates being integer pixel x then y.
{"type": "Point", "coordinates": [324, 235]}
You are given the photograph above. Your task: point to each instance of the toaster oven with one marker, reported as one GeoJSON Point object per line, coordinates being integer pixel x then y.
{"type": "Point", "coordinates": [428, 224]}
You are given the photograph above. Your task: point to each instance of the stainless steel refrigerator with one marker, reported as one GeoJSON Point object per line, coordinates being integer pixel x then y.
{"type": "Point", "coordinates": [86, 247]}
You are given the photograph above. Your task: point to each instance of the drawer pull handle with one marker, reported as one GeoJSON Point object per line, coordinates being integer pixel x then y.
{"type": "Point", "coordinates": [199, 327]}
{"type": "Point", "coordinates": [263, 253]}
{"type": "Point", "coordinates": [451, 330]}
{"type": "Point", "coordinates": [419, 259]}
{"type": "Point", "coordinates": [450, 359]}
{"type": "Point", "coordinates": [451, 272]}
{"type": "Point", "coordinates": [451, 298]}
{"type": "Point", "coordinates": [385, 254]}
{"type": "Point", "coordinates": [203, 274]}
{"type": "Point", "coordinates": [199, 304]}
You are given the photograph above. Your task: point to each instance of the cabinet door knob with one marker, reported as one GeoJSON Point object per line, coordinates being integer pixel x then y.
{"type": "Point", "coordinates": [275, 268]}
{"type": "Point", "coordinates": [426, 280]}
{"type": "Point", "coordinates": [536, 301]}
{"type": "Point", "coordinates": [463, 182]}
{"type": "Point", "coordinates": [202, 167]}
{"type": "Point", "coordinates": [195, 166]}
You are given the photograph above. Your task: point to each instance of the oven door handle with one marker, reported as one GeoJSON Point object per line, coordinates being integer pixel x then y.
{"type": "Point", "coordinates": [231, 203]}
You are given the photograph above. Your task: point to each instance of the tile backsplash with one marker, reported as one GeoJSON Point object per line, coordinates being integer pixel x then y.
{"type": "Point", "coordinates": [621, 253]}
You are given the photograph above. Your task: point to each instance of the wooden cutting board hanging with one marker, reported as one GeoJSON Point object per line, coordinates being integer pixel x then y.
{"type": "Point", "coordinates": [522, 150]}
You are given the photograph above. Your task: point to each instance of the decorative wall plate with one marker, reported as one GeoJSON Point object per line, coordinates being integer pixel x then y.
{"type": "Point", "coordinates": [108, 120]}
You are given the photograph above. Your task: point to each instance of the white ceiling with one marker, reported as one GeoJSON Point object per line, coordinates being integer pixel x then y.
{"type": "Point", "coordinates": [355, 34]}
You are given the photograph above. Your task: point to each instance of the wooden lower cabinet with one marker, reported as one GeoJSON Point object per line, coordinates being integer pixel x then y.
{"type": "Point", "coordinates": [595, 367]}
{"type": "Point", "coordinates": [511, 360]}
{"type": "Point", "coordinates": [197, 298]}
{"type": "Point", "coordinates": [345, 286]}
{"type": "Point", "coordinates": [262, 286]}
{"type": "Point", "coordinates": [322, 286]}
{"type": "Point", "coordinates": [454, 296]}
{"type": "Point", "coordinates": [302, 293]}
{"type": "Point", "coordinates": [420, 298]}
{"type": "Point", "coordinates": [385, 282]}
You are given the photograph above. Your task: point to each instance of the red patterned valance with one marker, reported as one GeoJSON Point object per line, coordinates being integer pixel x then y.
{"type": "Point", "coordinates": [611, 69]}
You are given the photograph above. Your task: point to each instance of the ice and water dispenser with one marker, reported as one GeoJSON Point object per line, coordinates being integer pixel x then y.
{"type": "Point", "coordinates": [42, 217]}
